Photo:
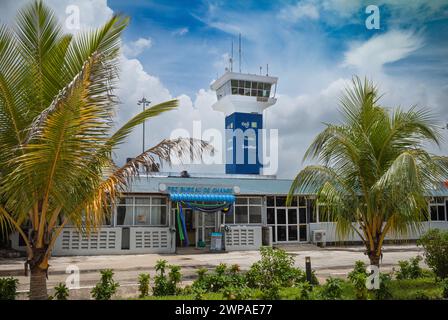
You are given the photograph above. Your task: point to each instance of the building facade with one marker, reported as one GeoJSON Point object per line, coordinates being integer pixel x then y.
{"type": "Point", "coordinates": [163, 212]}
{"type": "Point", "coordinates": [144, 219]}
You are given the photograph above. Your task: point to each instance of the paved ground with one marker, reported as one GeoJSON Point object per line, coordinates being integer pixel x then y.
{"type": "Point", "coordinates": [330, 261]}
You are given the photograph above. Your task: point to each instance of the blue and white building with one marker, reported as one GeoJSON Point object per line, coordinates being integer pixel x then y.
{"type": "Point", "coordinates": [244, 205]}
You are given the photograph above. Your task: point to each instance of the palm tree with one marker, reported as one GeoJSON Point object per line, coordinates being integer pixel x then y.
{"type": "Point", "coordinates": [57, 105]}
{"type": "Point", "coordinates": [374, 171]}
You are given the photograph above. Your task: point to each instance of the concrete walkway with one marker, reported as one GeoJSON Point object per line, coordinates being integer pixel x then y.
{"type": "Point", "coordinates": [330, 261]}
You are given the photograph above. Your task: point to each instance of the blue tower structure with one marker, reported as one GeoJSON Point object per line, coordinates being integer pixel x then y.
{"type": "Point", "coordinates": [243, 98]}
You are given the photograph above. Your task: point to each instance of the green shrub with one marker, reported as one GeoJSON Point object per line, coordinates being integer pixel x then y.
{"type": "Point", "coordinates": [236, 293]}
{"type": "Point", "coordinates": [332, 289]}
{"type": "Point", "coordinates": [410, 269]}
{"type": "Point", "coordinates": [166, 285]}
{"type": "Point", "coordinates": [8, 288]}
{"type": "Point", "coordinates": [271, 292]}
{"type": "Point", "coordinates": [444, 284]}
{"type": "Point", "coordinates": [222, 277]}
{"type": "Point", "coordinates": [198, 293]}
{"type": "Point", "coordinates": [106, 287]}
{"type": "Point", "coordinates": [143, 284]}
{"type": "Point", "coordinates": [435, 245]}
{"type": "Point", "coordinates": [421, 295]}
{"type": "Point", "coordinates": [61, 292]}
{"type": "Point", "coordinates": [174, 278]}
{"type": "Point", "coordinates": [384, 292]}
{"type": "Point", "coordinates": [305, 289]}
{"type": "Point", "coordinates": [275, 268]}
{"type": "Point", "coordinates": [358, 278]}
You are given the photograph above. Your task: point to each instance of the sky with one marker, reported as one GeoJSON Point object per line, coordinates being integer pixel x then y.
{"type": "Point", "coordinates": [175, 49]}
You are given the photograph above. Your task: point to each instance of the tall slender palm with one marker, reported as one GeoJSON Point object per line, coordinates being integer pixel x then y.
{"type": "Point", "coordinates": [374, 170]}
{"type": "Point", "coordinates": [57, 105]}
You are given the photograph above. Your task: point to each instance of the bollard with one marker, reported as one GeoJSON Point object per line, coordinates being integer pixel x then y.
{"type": "Point", "coordinates": [308, 268]}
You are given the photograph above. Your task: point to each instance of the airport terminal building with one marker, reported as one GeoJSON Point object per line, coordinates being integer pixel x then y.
{"type": "Point", "coordinates": [242, 208]}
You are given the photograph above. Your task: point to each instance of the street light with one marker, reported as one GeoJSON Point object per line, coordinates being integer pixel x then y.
{"type": "Point", "coordinates": [144, 103]}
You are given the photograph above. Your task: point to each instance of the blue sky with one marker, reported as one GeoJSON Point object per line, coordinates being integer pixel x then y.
{"type": "Point", "coordinates": [188, 61]}
{"type": "Point", "coordinates": [175, 49]}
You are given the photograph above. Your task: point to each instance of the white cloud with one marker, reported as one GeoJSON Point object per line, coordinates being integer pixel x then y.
{"type": "Point", "coordinates": [135, 48]}
{"type": "Point", "coordinates": [181, 31]}
{"type": "Point", "coordinates": [92, 13]}
{"type": "Point", "coordinates": [300, 10]}
{"type": "Point", "coordinates": [379, 50]}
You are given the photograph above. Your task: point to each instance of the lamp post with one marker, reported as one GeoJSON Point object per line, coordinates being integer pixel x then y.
{"type": "Point", "coordinates": [143, 102]}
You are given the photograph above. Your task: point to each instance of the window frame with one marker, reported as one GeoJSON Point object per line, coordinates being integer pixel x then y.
{"type": "Point", "coordinates": [149, 205]}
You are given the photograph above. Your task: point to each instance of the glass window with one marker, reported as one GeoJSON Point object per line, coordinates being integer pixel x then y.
{"type": "Point", "coordinates": [240, 200]}
{"type": "Point", "coordinates": [124, 215]}
{"type": "Point", "coordinates": [267, 86]}
{"type": "Point", "coordinates": [158, 200]}
{"type": "Point", "coordinates": [144, 201]}
{"type": "Point", "coordinates": [241, 83]}
{"type": "Point", "coordinates": [142, 215]}
{"type": "Point", "coordinates": [254, 214]}
{"type": "Point", "coordinates": [280, 201]}
{"type": "Point", "coordinates": [253, 92]}
{"type": "Point", "coordinates": [302, 202]}
{"type": "Point", "coordinates": [158, 215]}
{"type": "Point", "coordinates": [247, 84]}
{"type": "Point", "coordinates": [270, 215]}
{"type": "Point", "coordinates": [260, 85]}
{"type": "Point", "coordinates": [209, 219]}
{"type": "Point", "coordinates": [437, 212]}
{"type": "Point", "coordinates": [270, 201]}
{"type": "Point", "coordinates": [281, 216]}
{"type": "Point", "coordinates": [281, 233]}
{"type": "Point", "coordinates": [441, 212]}
{"type": "Point", "coordinates": [292, 216]}
{"type": "Point", "coordinates": [302, 231]}
{"type": "Point", "coordinates": [254, 85]}
{"type": "Point", "coordinates": [234, 83]}
{"type": "Point", "coordinates": [234, 90]}
{"type": "Point", "coordinates": [255, 201]}
{"type": "Point", "coordinates": [247, 91]}
{"type": "Point", "coordinates": [292, 233]}
{"type": "Point", "coordinates": [126, 201]}
{"type": "Point", "coordinates": [241, 214]}
{"type": "Point", "coordinates": [230, 217]}
{"type": "Point", "coordinates": [241, 91]}
{"type": "Point", "coordinates": [302, 215]}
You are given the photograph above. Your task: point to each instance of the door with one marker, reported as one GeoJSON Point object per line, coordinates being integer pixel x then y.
{"type": "Point", "coordinates": [206, 224]}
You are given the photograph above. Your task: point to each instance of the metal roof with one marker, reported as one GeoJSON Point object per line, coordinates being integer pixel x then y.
{"type": "Point", "coordinates": [241, 185]}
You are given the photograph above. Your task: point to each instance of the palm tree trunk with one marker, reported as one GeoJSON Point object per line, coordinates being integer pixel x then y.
{"type": "Point", "coordinates": [38, 284]}
{"type": "Point", "coordinates": [374, 259]}
{"type": "Point", "coordinates": [39, 270]}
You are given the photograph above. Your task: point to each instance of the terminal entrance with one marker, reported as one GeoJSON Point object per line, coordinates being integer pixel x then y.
{"type": "Point", "coordinates": [199, 226]}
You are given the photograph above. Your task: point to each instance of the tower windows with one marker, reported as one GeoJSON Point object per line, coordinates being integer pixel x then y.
{"type": "Point", "coordinates": [244, 88]}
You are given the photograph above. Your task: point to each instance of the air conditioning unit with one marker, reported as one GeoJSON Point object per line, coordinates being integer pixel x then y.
{"type": "Point", "coordinates": [319, 237]}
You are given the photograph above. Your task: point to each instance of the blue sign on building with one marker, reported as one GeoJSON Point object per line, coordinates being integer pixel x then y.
{"type": "Point", "coordinates": [242, 143]}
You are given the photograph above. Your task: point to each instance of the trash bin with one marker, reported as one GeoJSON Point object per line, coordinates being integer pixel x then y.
{"type": "Point", "coordinates": [216, 241]}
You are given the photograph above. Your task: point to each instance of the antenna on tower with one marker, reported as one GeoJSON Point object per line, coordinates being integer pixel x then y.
{"type": "Point", "coordinates": [239, 52]}
{"type": "Point", "coordinates": [267, 69]}
{"type": "Point", "coordinates": [231, 58]}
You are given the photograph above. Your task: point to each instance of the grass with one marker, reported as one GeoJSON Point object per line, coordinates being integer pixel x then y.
{"type": "Point", "coordinates": [413, 289]}
{"type": "Point", "coordinates": [422, 288]}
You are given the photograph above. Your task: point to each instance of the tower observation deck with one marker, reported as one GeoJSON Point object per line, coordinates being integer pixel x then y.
{"type": "Point", "coordinates": [243, 98]}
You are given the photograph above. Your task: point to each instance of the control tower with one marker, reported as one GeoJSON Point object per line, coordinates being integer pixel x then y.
{"type": "Point", "coordinates": [242, 98]}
